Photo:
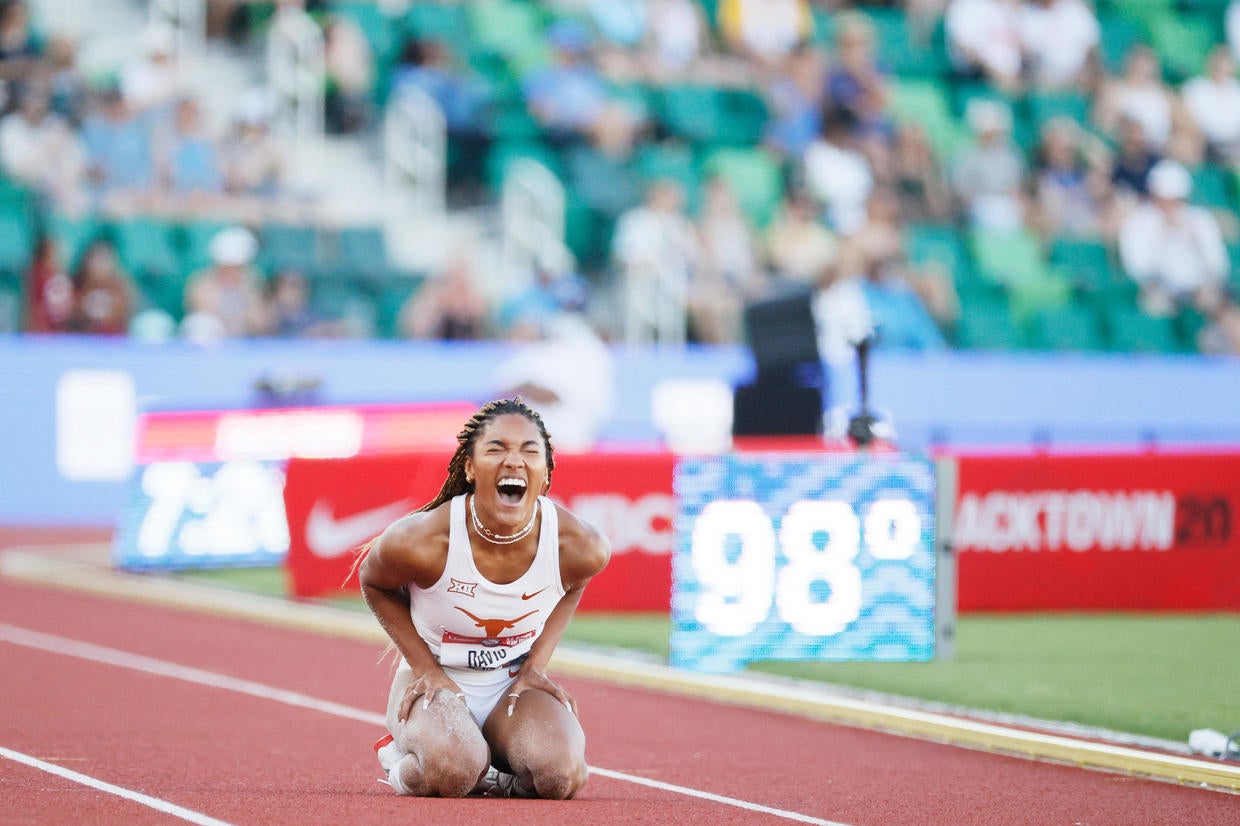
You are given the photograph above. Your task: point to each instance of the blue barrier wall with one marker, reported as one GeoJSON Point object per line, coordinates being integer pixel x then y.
{"type": "Point", "coordinates": [957, 399]}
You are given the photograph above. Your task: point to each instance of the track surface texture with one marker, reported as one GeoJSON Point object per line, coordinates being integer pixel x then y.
{"type": "Point", "coordinates": [235, 757]}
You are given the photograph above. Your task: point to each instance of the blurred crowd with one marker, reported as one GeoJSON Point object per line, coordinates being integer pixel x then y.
{"type": "Point", "coordinates": [1118, 163]}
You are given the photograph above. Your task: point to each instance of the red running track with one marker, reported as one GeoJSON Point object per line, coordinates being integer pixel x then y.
{"type": "Point", "coordinates": [251, 760]}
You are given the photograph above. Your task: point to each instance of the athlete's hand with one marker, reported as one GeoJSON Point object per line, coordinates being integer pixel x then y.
{"type": "Point", "coordinates": [535, 678]}
{"type": "Point", "coordinates": [426, 688]}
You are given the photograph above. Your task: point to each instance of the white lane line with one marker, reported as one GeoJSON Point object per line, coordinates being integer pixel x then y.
{"type": "Point", "coordinates": [149, 665]}
{"type": "Point", "coordinates": [137, 797]}
{"type": "Point", "coordinates": [163, 668]}
{"type": "Point", "coordinates": [717, 798]}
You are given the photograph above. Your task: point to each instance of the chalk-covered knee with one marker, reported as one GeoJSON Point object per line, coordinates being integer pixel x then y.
{"type": "Point", "coordinates": [451, 775]}
{"type": "Point", "coordinates": [559, 780]}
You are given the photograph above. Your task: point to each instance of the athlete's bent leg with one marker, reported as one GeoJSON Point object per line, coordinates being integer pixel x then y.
{"type": "Point", "coordinates": [541, 743]}
{"type": "Point", "coordinates": [444, 751]}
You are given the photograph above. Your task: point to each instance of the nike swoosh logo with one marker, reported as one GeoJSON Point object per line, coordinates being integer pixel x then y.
{"type": "Point", "coordinates": [513, 673]}
{"type": "Point", "coordinates": [536, 593]}
{"type": "Point", "coordinates": [328, 536]}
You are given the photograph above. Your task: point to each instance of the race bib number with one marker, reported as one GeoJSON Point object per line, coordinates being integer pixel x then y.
{"type": "Point", "coordinates": [482, 653]}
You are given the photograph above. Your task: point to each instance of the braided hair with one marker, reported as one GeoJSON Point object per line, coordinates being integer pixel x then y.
{"type": "Point", "coordinates": [456, 483]}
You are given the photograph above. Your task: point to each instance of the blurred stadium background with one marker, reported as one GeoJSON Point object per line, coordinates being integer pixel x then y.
{"type": "Point", "coordinates": [667, 222]}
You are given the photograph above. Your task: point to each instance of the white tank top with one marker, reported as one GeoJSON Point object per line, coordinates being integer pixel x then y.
{"type": "Point", "coordinates": [480, 630]}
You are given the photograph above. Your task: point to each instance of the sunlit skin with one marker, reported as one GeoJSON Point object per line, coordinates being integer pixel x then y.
{"type": "Point", "coordinates": [534, 732]}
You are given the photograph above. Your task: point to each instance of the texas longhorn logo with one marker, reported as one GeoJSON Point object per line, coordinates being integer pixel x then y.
{"type": "Point", "coordinates": [494, 627]}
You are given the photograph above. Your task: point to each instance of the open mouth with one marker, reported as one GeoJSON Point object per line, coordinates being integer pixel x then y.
{"type": "Point", "coordinates": [511, 490]}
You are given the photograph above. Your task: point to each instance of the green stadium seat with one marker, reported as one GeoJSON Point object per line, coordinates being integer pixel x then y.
{"type": "Point", "coordinates": [1032, 297]}
{"type": "Point", "coordinates": [73, 235]}
{"type": "Point", "coordinates": [1084, 262]}
{"type": "Point", "coordinates": [287, 246]}
{"type": "Point", "coordinates": [351, 300]}
{"type": "Point", "coordinates": [10, 311]}
{"type": "Point", "coordinates": [379, 28]}
{"type": "Point", "coordinates": [1188, 324]}
{"type": "Point", "coordinates": [742, 117]}
{"type": "Point", "coordinates": [16, 242]}
{"type": "Point", "coordinates": [196, 243]}
{"type": "Point", "coordinates": [706, 114]}
{"type": "Point", "coordinates": [392, 293]}
{"type": "Point", "coordinates": [511, 28]}
{"type": "Point", "coordinates": [16, 199]}
{"type": "Point", "coordinates": [445, 22]}
{"type": "Point", "coordinates": [1015, 260]}
{"type": "Point", "coordinates": [164, 291]}
{"type": "Point", "coordinates": [755, 179]}
{"type": "Point", "coordinates": [1142, 11]}
{"type": "Point", "coordinates": [639, 99]}
{"type": "Point", "coordinates": [604, 183]}
{"type": "Point", "coordinates": [1119, 33]}
{"type": "Point", "coordinates": [148, 246]}
{"type": "Point", "coordinates": [1069, 327]}
{"type": "Point", "coordinates": [938, 245]}
{"type": "Point", "coordinates": [824, 25]}
{"type": "Point", "coordinates": [987, 324]}
{"type": "Point", "coordinates": [689, 112]}
{"type": "Point", "coordinates": [502, 84]}
{"type": "Point", "coordinates": [669, 160]}
{"type": "Point", "coordinates": [904, 50]}
{"type": "Point", "coordinates": [510, 120]}
{"type": "Point", "coordinates": [1010, 258]}
{"type": "Point", "coordinates": [12, 280]}
{"type": "Point", "coordinates": [587, 232]}
{"type": "Point", "coordinates": [926, 102]}
{"type": "Point", "coordinates": [1182, 41]}
{"type": "Point", "coordinates": [1045, 106]}
{"type": "Point", "coordinates": [1211, 187]}
{"type": "Point", "coordinates": [1132, 331]}
{"type": "Point", "coordinates": [362, 251]}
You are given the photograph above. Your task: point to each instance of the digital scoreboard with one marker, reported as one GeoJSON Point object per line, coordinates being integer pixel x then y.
{"type": "Point", "coordinates": [805, 556]}
{"type": "Point", "coordinates": [207, 489]}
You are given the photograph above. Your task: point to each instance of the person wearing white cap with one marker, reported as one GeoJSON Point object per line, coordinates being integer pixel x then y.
{"type": "Point", "coordinates": [151, 79]}
{"type": "Point", "coordinates": [253, 158]}
{"type": "Point", "coordinates": [987, 176]}
{"type": "Point", "coordinates": [1172, 249]}
{"type": "Point", "coordinates": [226, 298]}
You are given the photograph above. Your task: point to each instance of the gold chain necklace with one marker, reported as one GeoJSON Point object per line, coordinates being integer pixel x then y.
{"type": "Point", "coordinates": [500, 539]}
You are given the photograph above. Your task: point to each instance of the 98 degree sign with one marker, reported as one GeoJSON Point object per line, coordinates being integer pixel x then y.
{"type": "Point", "coordinates": [803, 556]}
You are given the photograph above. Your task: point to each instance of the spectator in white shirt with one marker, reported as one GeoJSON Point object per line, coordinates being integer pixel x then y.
{"type": "Point", "coordinates": [656, 249]}
{"type": "Point", "coordinates": [38, 148]}
{"type": "Point", "coordinates": [983, 38]}
{"type": "Point", "coordinates": [152, 81]}
{"type": "Point", "coordinates": [1213, 102]}
{"type": "Point", "coordinates": [764, 30]}
{"type": "Point", "coordinates": [1140, 94]}
{"type": "Point", "coordinates": [1172, 249]}
{"type": "Point", "coordinates": [1058, 37]}
{"type": "Point", "coordinates": [988, 175]}
{"type": "Point", "coordinates": [837, 175]}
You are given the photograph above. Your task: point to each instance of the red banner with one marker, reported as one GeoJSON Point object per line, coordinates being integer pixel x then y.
{"type": "Point", "coordinates": [1109, 532]}
{"type": "Point", "coordinates": [1114, 532]}
{"type": "Point", "coordinates": [333, 505]}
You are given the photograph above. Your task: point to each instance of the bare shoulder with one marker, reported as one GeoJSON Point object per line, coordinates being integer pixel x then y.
{"type": "Point", "coordinates": [584, 551]}
{"type": "Point", "coordinates": [414, 548]}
